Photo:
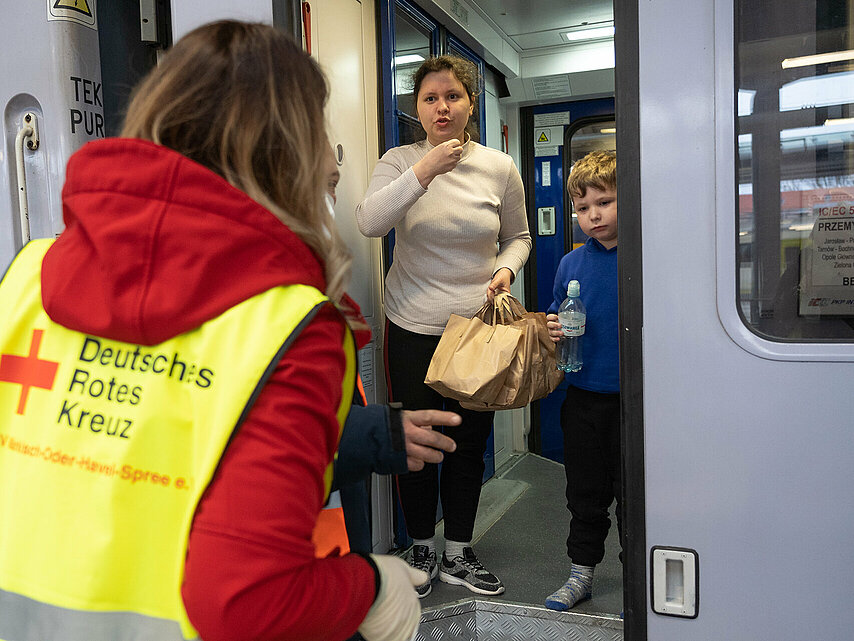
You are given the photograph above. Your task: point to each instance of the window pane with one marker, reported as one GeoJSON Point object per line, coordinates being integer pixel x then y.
{"type": "Point", "coordinates": [795, 168]}
{"type": "Point", "coordinates": [411, 48]}
{"type": "Point", "coordinates": [474, 121]}
{"type": "Point", "coordinates": [409, 130]}
{"type": "Point", "coordinates": [600, 136]}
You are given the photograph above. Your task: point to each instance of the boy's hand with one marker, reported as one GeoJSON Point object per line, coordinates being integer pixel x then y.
{"type": "Point", "coordinates": [555, 330]}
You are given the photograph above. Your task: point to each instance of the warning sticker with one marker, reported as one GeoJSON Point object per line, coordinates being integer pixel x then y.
{"type": "Point", "coordinates": [548, 136]}
{"type": "Point", "coordinates": [79, 11]}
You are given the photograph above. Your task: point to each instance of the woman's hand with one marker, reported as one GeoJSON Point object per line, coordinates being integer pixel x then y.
{"type": "Point", "coordinates": [555, 330]}
{"type": "Point", "coordinates": [500, 283]}
{"type": "Point", "coordinates": [439, 160]}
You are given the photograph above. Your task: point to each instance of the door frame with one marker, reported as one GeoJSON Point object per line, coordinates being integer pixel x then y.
{"type": "Point", "coordinates": [627, 89]}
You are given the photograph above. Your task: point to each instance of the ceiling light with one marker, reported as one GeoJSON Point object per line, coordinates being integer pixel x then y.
{"type": "Point", "coordinates": [820, 58]}
{"type": "Point", "coordinates": [608, 130]}
{"type": "Point", "coordinates": [594, 33]}
{"type": "Point", "coordinates": [838, 121]}
{"type": "Point", "coordinates": [408, 59]}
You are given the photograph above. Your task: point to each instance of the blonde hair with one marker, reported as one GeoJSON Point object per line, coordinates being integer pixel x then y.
{"type": "Point", "coordinates": [246, 102]}
{"type": "Point", "coordinates": [598, 169]}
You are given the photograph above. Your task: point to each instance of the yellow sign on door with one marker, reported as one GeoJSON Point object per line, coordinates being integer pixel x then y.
{"type": "Point", "coordinates": [75, 5]}
{"type": "Point", "coordinates": [79, 11]}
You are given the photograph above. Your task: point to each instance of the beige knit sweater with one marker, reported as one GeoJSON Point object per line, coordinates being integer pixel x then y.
{"type": "Point", "coordinates": [449, 238]}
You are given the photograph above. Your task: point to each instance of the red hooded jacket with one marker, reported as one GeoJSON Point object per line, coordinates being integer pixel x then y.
{"type": "Point", "coordinates": [154, 246]}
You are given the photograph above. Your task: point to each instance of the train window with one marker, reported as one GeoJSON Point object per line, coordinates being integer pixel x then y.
{"type": "Point", "coordinates": [476, 122]}
{"type": "Point", "coordinates": [795, 168]}
{"type": "Point", "coordinates": [412, 40]}
{"type": "Point", "coordinates": [411, 36]}
{"type": "Point", "coordinates": [409, 130]}
{"type": "Point", "coordinates": [597, 136]}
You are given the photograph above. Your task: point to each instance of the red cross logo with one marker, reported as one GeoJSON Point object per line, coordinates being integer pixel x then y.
{"type": "Point", "coordinates": [28, 371]}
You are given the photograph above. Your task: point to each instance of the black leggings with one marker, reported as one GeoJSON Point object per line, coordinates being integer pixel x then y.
{"type": "Point", "coordinates": [407, 358]}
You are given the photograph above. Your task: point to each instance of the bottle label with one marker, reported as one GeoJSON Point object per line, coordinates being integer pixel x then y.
{"type": "Point", "coordinates": [574, 326]}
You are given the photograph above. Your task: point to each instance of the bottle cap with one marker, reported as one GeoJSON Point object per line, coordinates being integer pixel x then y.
{"type": "Point", "coordinates": [573, 289]}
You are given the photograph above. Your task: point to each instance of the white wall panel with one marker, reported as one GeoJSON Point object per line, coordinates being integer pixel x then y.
{"type": "Point", "coordinates": [186, 16]}
{"type": "Point", "coordinates": [344, 42]}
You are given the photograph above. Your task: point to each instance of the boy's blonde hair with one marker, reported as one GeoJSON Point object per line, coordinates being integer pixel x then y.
{"type": "Point", "coordinates": [246, 102]}
{"type": "Point", "coordinates": [598, 169]}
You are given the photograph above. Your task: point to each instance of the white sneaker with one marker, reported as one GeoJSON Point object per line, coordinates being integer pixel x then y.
{"type": "Point", "coordinates": [467, 571]}
{"type": "Point", "coordinates": [423, 559]}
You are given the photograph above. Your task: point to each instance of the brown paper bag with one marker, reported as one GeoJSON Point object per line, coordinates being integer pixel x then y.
{"type": "Point", "coordinates": [472, 358]}
{"type": "Point", "coordinates": [530, 372]}
{"type": "Point", "coordinates": [533, 372]}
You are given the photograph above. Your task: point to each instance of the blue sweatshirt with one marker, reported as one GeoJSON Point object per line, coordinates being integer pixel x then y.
{"type": "Point", "coordinates": [595, 268]}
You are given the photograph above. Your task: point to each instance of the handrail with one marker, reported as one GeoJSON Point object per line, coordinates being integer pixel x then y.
{"type": "Point", "coordinates": [29, 132]}
{"type": "Point", "coordinates": [306, 22]}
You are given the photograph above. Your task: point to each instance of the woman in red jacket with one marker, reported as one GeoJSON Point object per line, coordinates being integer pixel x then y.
{"type": "Point", "coordinates": [213, 195]}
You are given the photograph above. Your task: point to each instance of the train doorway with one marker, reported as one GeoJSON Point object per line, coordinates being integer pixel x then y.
{"type": "Point", "coordinates": [559, 135]}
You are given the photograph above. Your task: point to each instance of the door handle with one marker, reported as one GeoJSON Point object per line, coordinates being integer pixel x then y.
{"type": "Point", "coordinates": [28, 135]}
{"type": "Point", "coordinates": [675, 582]}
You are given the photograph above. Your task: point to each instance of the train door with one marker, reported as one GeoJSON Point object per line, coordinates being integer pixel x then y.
{"type": "Point", "coordinates": [737, 306]}
{"type": "Point", "coordinates": [550, 130]}
{"type": "Point", "coordinates": [52, 103]}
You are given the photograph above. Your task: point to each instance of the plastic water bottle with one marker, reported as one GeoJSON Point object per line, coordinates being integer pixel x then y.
{"type": "Point", "coordinates": [573, 319]}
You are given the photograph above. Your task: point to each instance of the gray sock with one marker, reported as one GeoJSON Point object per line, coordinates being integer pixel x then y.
{"type": "Point", "coordinates": [455, 548]}
{"type": "Point", "coordinates": [430, 543]}
{"type": "Point", "coordinates": [576, 588]}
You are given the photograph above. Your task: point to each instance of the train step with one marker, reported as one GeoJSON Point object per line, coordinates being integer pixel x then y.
{"type": "Point", "coordinates": [477, 620]}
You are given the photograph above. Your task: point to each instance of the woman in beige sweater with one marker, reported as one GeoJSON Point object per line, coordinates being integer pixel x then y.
{"type": "Point", "coordinates": [461, 235]}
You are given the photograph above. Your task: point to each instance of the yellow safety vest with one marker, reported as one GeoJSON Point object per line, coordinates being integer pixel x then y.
{"type": "Point", "coordinates": [105, 450]}
{"type": "Point", "coordinates": [330, 531]}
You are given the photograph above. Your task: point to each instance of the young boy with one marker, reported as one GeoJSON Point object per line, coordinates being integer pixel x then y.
{"type": "Point", "coordinates": [590, 414]}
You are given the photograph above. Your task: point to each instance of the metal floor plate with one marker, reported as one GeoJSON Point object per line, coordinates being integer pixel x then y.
{"type": "Point", "coordinates": [474, 620]}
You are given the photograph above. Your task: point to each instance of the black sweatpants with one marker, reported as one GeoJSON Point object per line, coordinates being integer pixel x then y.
{"type": "Point", "coordinates": [591, 453]}
{"type": "Point", "coordinates": [407, 359]}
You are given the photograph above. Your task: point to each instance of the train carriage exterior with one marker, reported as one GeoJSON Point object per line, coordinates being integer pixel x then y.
{"type": "Point", "coordinates": [735, 140]}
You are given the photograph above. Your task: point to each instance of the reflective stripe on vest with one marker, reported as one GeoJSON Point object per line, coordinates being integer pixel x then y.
{"type": "Point", "coordinates": [330, 531]}
{"type": "Point", "coordinates": [105, 450]}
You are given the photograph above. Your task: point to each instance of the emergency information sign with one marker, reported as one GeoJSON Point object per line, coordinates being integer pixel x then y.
{"type": "Point", "coordinates": [827, 269]}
